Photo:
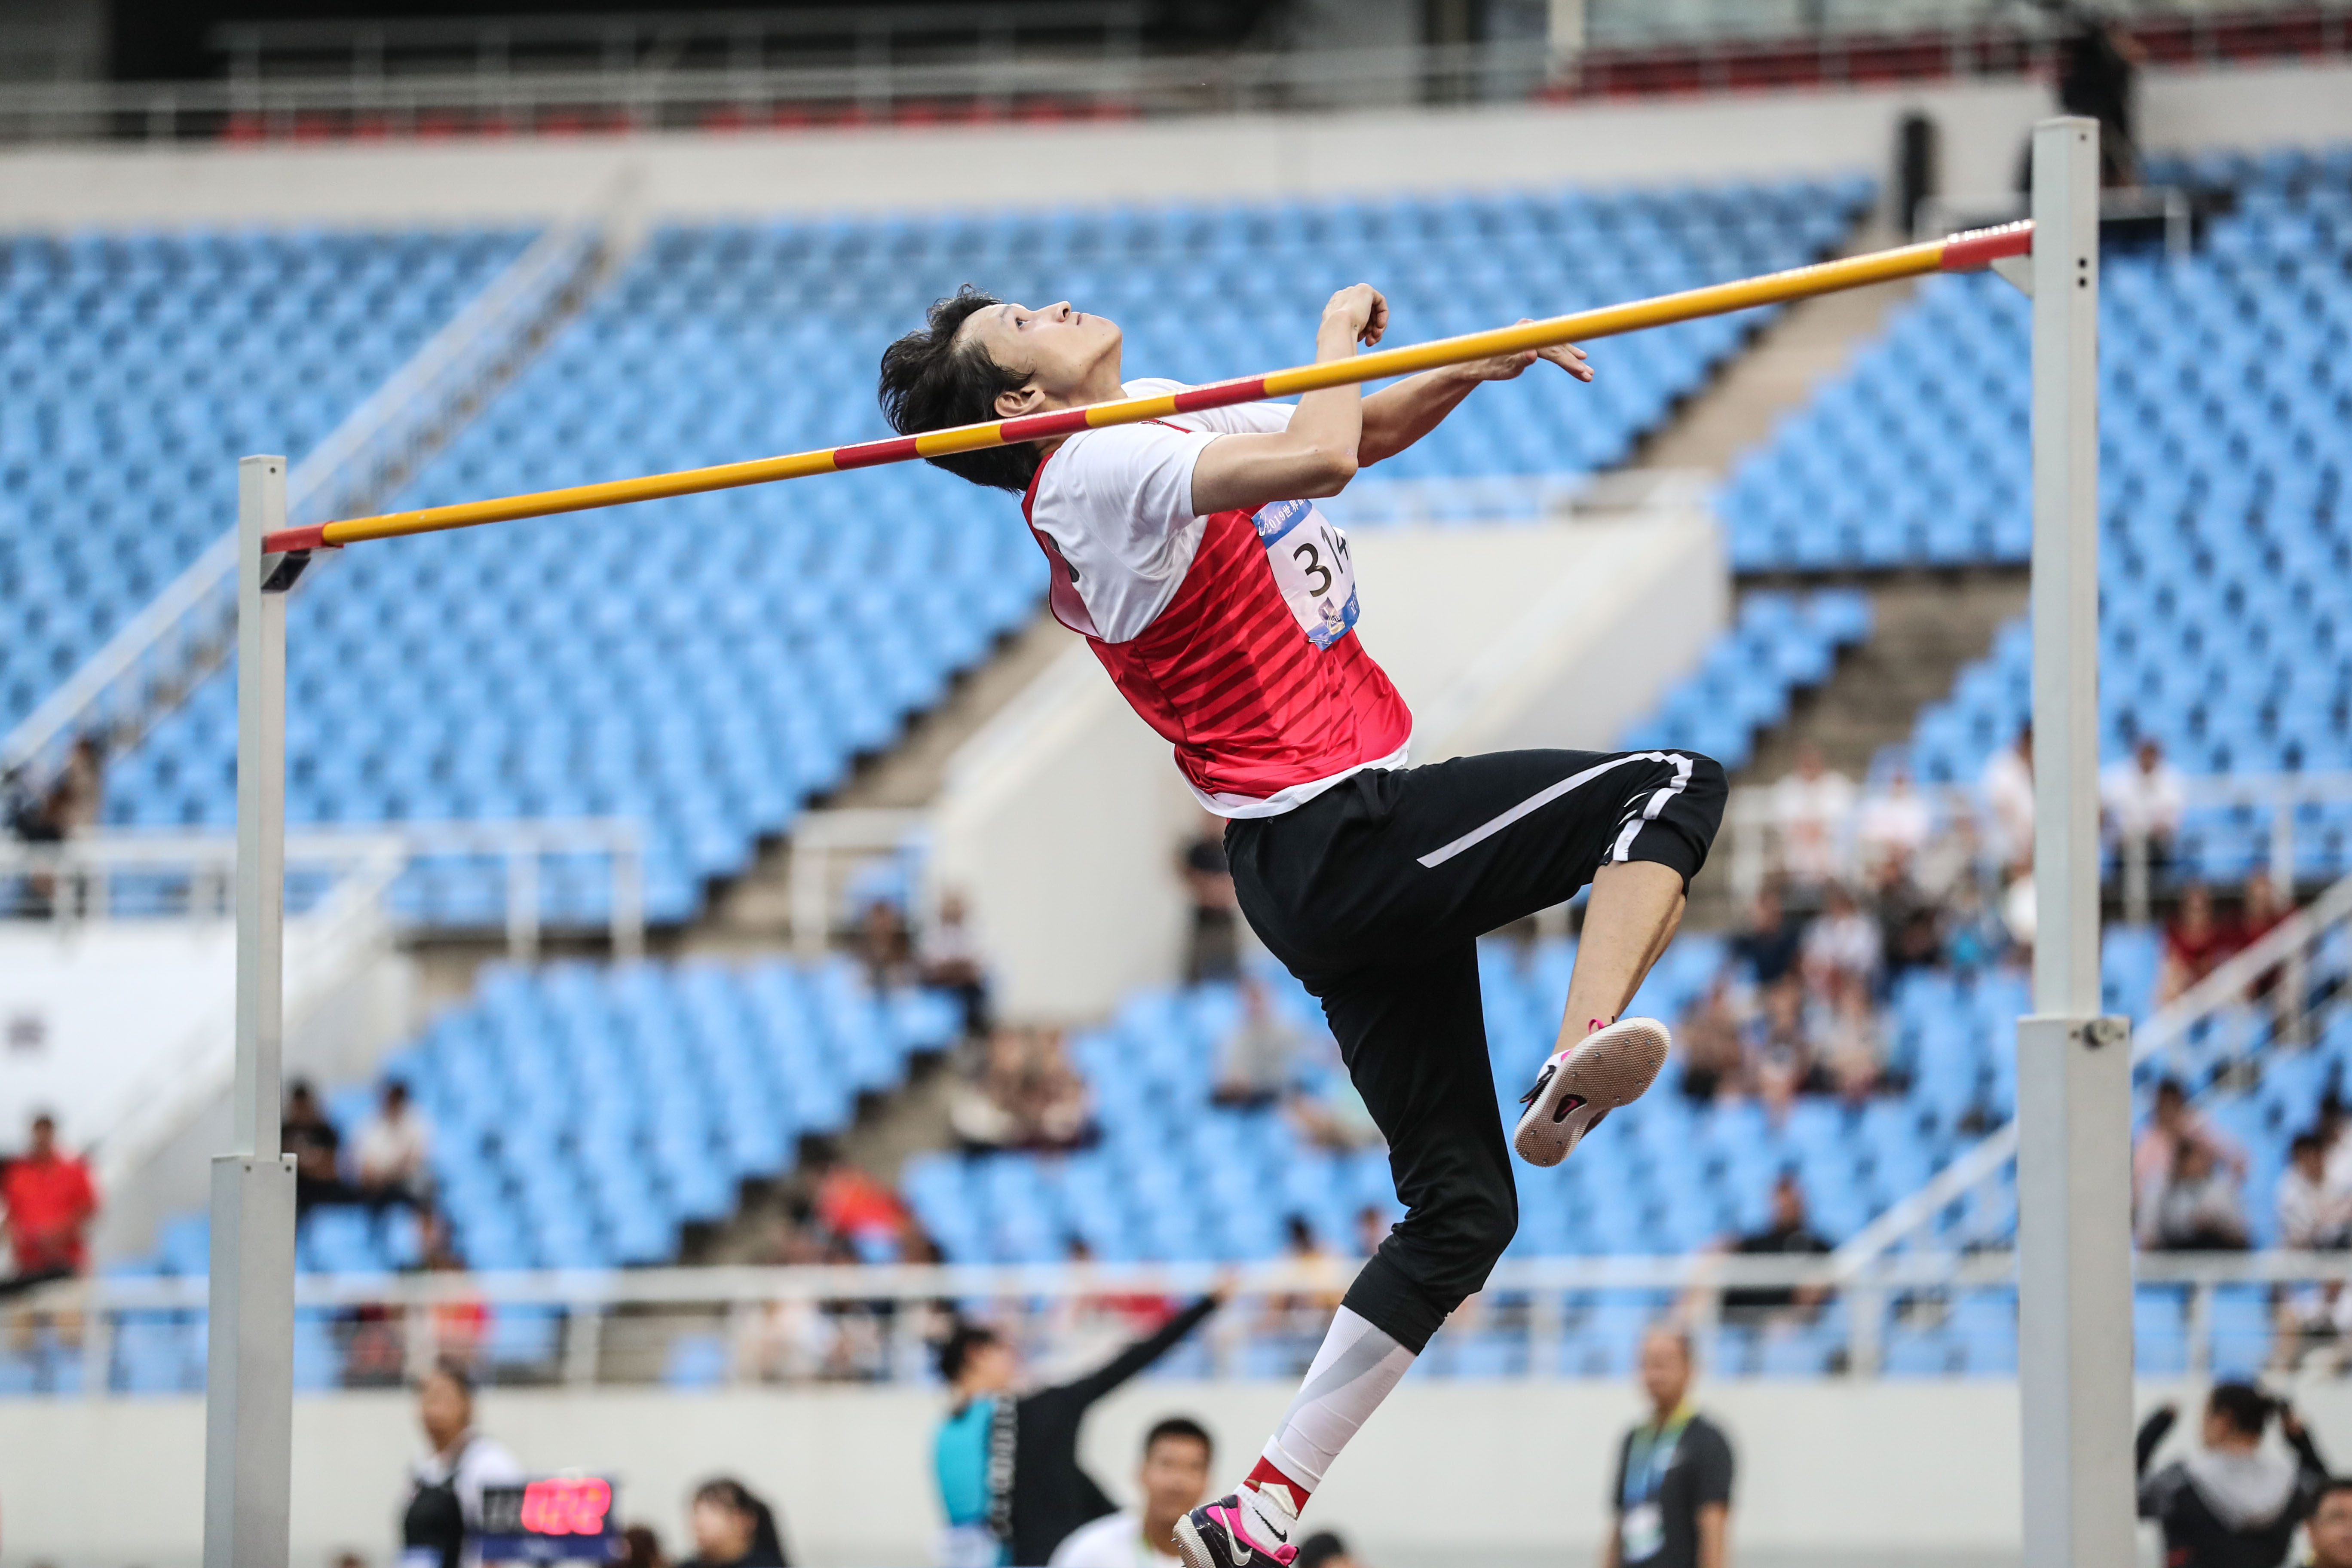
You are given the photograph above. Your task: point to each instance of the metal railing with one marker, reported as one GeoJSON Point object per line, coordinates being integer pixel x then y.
{"type": "Point", "coordinates": [993, 82]}
{"type": "Point", "coordinates": [185, 632]}
{"type": "Point", "coordinates": [1537, 1316]}
{"type": "Point", "coordinates": [133, 875]}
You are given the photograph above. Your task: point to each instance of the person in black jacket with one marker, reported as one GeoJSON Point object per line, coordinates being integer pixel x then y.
{"type": "Point", "coordinates": [2231, 1504]}
{"type": "Point", "coordinates": [1007, 1466]}
{"type": "Point", "coordinates": [733, 1527]}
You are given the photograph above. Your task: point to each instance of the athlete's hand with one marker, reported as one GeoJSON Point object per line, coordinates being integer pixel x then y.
{"type": "Point", "coordinates": [1506, 367]}
{"type": "Point", "coordinates": [1362, 310]}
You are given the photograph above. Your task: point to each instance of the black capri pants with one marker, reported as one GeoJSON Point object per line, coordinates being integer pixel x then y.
{"type": "Point", "coordinates": [1374, 894]}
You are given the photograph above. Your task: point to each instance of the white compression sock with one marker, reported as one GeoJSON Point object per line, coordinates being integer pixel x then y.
{"type": "Point", "coordinates": [1352, 1374]}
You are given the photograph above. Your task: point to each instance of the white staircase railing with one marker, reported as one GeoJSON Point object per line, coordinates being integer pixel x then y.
{"type": "Point", "coordinates": [158, 656]}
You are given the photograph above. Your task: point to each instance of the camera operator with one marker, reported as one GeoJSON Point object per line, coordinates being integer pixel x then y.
{"type": "Point", "coordinates": [2231, 1503]}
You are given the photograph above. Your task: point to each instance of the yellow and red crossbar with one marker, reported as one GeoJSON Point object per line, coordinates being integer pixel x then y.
{"type": "Point", "coordinates": [1960, 253]}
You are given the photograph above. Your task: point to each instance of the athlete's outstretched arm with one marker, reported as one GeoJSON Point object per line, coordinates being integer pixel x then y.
{"type": "Point", "coordinates": [1396, 416]}
{"type": "Point", "coordinates": [1317, 454]}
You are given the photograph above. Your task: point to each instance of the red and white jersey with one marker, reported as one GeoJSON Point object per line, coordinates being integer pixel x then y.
{"type": "Point", "coordinates": [1233, 635]}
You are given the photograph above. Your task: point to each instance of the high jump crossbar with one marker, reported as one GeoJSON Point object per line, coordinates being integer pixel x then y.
{"type": "Point", "coordinates": [1960, 253]}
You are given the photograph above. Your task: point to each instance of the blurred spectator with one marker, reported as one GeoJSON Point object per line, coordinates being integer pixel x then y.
{"type": "Point", "coordinates": [2196, 943]}
{"type": "Point", "coordinates": [76, 801]}
{"type": "Point", "coordinates": [1813, 807]}
{"type": "Point", "coordinates": [951, 961]}
{"type": "Point", "coordinates": [1326, 1272]}
{"type": "Point", "coordinates": [48, 1199]}
{"type": "Point", "coordinates": [1026, 1095]}
{"type": "Point", "coordinates": [1172, 1480]}
{"type": "Point", "coordinates": [1974, 937]}
{"type": "Point", "coordinates": [884, 948]}
{"type": "Point", "coordinates": [1779, 1052]}
{"type": "Point", "coordinates": [851, 1203]}
{"type": "Point", "coordinates": [1895, 826]}
{"type": "Point", "coordinates": [1672, 1501]}
{"type": "Point", "coordinates": [2329, 1528]}
{"type": "Point", "coordinates": [1708, 1038]}
{"type": "Point", "coordinates": [460, 1322]}
{"type": "Point", "coordinates": [2231, 1503]}
{"type": "Point", "coordinates": [1331, 1113]}
{"type": "Point", "coordinates": [305, 1132]}
{"type": "Point", "coordinates": [1841, 944]}
{"type": "Point", "coordinates": [1212, 943]}
{"type": "Point", "coordinates": [1909, 934]}
{"type": "Point", "coordinates": [2098, 73]}
{"type": "Point", "coordinates": [641, 1548]}
{"type": "Point", "coordinates": [2143, 799]}
{"type": "Point", "coordinates": [733, 1529]}
{"type": "Point", "coordinates": [2006, 784]}
{"type": "Point", "coordinates": [393, 1152]}
{"type": "Point", "coordinates": [2199, 1208]}
{"type": "Point", "coordinates": [2313, 1214]}
{"type": "Point", "coordinates": [1256, 1061]}
{"type": "Point", "coordinates": [441, 1519]}
{"type": "Point", "coordinates": [2261, 912]}
{"type": "Point", "coordinates": [1372, 1228]}
{"type": "Point", "coordinates": [2171, 1123]}
{"type": "Point", "coordinates": [1851, 1046]}
{"type": "Point", "coordinates": [1789, 1233]}
{"type": "Point", "coordinates": [1773, 940]}
{"type": "Point", "coordinates": [1006, 1465]}
{"type": "Point", "coordinates": [1324, 1549]}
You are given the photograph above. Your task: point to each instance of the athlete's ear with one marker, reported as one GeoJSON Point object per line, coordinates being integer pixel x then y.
{"type": "Point", "coordinates": [1021, 400]}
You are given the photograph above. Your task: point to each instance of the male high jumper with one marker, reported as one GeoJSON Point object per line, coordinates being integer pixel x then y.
{"type": "Point", "coordinates": [1188, 552]}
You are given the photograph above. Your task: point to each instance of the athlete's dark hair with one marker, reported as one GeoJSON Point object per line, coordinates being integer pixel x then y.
{"type": "Point", "coordinates": [2242, 1406]}
{"type": "Point", "coordinates": [1180, 1427]}
{"type": "Point", "coordinates": [957, 1348]}
{"type": "Point", "coordinates": [767, 1541]}
{"type": "Point", "coordinates": [930, 382]}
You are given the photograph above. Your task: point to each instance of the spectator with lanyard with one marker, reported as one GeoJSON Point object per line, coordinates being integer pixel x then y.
{"type": "Point", "coordinates": [442, 1516]}
{"type": "Point", "coordinates": [1007, 1466]}
{"type": "Point", "coordinates": [2231, 1504]}
{"type": "Point", "coordinates": [1673, 1497]}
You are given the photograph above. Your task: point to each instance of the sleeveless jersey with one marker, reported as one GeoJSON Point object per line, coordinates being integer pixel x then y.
{"type": "Point", "coordinates": [1252, 671]}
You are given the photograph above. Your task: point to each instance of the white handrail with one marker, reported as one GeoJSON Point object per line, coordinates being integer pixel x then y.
{"type": "Point", "coordinates": [376, 444]}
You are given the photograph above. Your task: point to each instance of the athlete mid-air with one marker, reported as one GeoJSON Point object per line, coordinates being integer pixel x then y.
{"type": "Point", "coordinates": [1190, 555]}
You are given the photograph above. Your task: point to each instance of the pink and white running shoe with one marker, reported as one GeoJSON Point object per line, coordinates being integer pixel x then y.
{"type": "Point", "coordinates": [1608, 1067]}
{"type": "Point", "coordinates": [1217, 1535]}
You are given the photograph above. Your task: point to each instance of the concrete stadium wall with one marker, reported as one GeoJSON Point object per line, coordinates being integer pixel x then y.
{"type": "Point", "coordinates": [1830, 1475]}
{"type": "Point", "coordinates": [1061, 820]}
{"type": "Point", "coordinates": [701, 174]}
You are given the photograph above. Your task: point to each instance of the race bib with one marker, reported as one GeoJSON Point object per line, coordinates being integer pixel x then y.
{"type": "Point", "coordinates": [1311, 566]}
{"type": "Point", "coordinates": [1642, 1532]}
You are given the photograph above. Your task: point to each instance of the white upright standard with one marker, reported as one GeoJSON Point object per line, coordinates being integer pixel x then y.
{"type": "Point", "coordinates": [249, 1356]}
{"type": "Point", "coordinates": [2074, 1067]}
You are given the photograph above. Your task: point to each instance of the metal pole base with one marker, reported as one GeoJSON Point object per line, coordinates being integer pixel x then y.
{"type": "Point", "coordinates": [249, 1363]}
{"type": "Point", "coordinates": [2074, 1291]}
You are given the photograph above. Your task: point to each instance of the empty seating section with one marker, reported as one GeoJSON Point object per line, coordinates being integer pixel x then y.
{"type": "Point", "coordinates": [709, 663]}
{"type": "Point", "coordinates": [581, 1117]}
{"type": "Point", "coordinates": [135, 369]}
{"type": "Point", "coordinates": [1176, 1178]}
{"type": "Point", "coordinates": [1782, 642]}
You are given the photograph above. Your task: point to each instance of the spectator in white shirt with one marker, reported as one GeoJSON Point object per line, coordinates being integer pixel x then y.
{"type": "Point", "coordinates": [1814, 809]}
{"type": "Point", "coordinates": [2143, 798]}
{"type": "Point", "coordinates": [393, 1152]}
{"type": "Point", "coordinates": [1173, 1481]}
{"type": "Point", "coordinates": [1894, 826]}
{"type": "Point", "coordinates": [2313, 1214]}
{"type": "Point", "coordinates": [1841, 946]}
{"type": "Point", "coordinates": [2008, 788]}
